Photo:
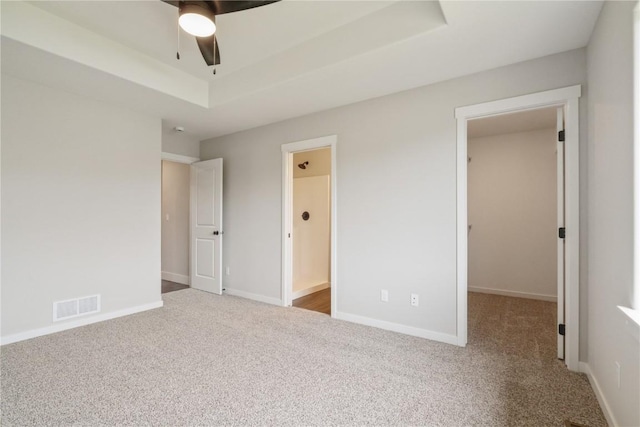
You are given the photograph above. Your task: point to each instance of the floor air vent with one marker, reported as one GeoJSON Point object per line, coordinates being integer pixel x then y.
{"type": "Point", "coordinates": [75, 307]}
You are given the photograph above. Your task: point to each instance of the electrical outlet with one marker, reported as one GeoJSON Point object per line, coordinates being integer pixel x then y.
{"type": "Point", "coordinates": [415, 300]}
{"type": "Point", "coordinates": [228, 271]}
{"type": "Point", "coordinates": [618, 373]}
{"type": "Point", "coordinates": [384, 295]}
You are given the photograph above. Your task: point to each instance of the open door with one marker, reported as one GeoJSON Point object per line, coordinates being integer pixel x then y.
{"type": "Point", "coordinates": [206, 226]}
{"type": "Point", "coordinates": [561, 230]}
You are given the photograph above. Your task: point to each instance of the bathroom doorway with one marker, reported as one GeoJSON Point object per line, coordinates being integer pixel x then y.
{"type": "Point", "coordinates": [309, 225]}
{"type": "Point", "coordinates": [312, 230]}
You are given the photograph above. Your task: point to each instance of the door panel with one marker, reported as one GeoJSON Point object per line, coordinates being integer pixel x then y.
{"type": "Point", "coordinates": [560, 201]}
{"type": "Point", "coordinates": [206, 226]}
{"type": "Point", "coordinates": [204, 253]}
{"type": "Point", "coordinates": [206, 182]}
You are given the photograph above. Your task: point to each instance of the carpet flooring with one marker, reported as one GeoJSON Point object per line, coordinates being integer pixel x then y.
{"type": "Point", "coordinates": [219, 360]}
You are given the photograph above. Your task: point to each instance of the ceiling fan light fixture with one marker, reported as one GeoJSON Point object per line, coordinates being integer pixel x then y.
{"type": "Point", "coordinates": [196, 20]}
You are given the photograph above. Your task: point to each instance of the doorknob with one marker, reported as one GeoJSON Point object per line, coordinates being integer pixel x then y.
{"type": "Point", "coordinates": [215, 233]}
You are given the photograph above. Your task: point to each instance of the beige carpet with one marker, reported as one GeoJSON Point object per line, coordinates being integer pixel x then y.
{"type": "Point", "coordinates": [211, 360]}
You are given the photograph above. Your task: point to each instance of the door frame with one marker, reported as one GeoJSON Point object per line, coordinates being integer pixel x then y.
{"type": "Point", "coordinates": [568, 98]}
{"type": "Point", "coordinates": [178, 158]}
{"type": "Point", "coordinates": [287, 215]}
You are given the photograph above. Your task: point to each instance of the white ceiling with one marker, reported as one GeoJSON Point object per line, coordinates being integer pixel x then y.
{"type": "Point", "coordinates": [522, 121]}
{"type": "Point", "coordinates": [245, 38]}
{"type": "Point", "coordinates": [278, 61]}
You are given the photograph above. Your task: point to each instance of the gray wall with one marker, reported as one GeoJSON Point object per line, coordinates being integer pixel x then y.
{"type": "Point", "coordinates": [610, 212]}
{"type": "Point", "coordinates": [179, 142]}
{"type": "Point", "coordinates": [176, 183]}
{"type": "Point", "coordinates": [396, 192]}
{"type": "Point", "coordinates": [512, 203]}
{"type": "Point", "coordinates": [81, 204]}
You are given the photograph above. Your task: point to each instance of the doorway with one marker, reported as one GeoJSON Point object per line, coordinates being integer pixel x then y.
{"type": "Point", "coordinates": [175, 211]}
{"type": "Point", "coordinates": [515, 206]}
{"type": "Point", "coordinates": [311, 214]}
{"type": "Point", "coordinates": [565, 99]}
{"type": "Point", "coordinates": [175, 226]}
{"type": "Point", "coordinates": [309, 221]}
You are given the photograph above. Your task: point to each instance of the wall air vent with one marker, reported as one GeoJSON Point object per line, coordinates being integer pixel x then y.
{"type": "Point", "coordinates": [75, 307]}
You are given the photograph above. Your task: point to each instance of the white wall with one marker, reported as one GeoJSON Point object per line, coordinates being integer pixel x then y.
{"type": "Point", "coordinates": [81, 203]}
{"type": "Point", "coordinates": [396, 193]}
{"type": "Point", "coordinates": [311, 238]}
{"type": "Point", "coordinates": [512, 210]}
{"type": "Point", "coordinates": [610, 210]}
{"type": "Point", "coordinates": [175, 221]}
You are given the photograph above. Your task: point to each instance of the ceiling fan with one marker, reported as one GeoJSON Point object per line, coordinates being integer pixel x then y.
{"type": "Point", "coordinates": [198, 18]}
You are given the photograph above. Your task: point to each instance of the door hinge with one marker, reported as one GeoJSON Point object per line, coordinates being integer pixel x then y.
{"type": "Point", "coordinates": [561, 232]}
{"type": "Point", "coordinates": [561, 329]}
{"type": "Point", "coordinates": [561, 136]}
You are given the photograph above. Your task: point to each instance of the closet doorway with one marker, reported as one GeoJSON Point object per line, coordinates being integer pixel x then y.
{"type": "Point", "coordinates": [568, 233]}
{"type": "Point", "coordinates": [515, 197]}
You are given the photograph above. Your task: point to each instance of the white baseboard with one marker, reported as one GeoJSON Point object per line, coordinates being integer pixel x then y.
{"type": "Point", "coordinates": [604, 405]}
{"type": "Point", "coordinates": [311, 290]}
{"type": "Point", "coordinates": [59, 327]}
{"type": "Point", "coordinates": [255, 297]}
{"type": "Point", "coordinates": [396, 327]}
{"type": "Point", "coordinates": [173, 277]}
{"type": "Point", "coordinates": [542, 297]}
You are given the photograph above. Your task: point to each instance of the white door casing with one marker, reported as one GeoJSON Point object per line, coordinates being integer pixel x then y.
{"type": "Point", "coordinates": [568, 99]}
{"type": "Point", "coordinates": [560, 211]}
{"type": "Point", "coordinates": [206, 226]}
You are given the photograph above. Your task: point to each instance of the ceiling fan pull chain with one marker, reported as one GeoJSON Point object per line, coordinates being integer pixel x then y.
{"type": "Point", "coordinates": [198, 18]}
{"type": "Point", "coordinates": [214, 54]}
{"type": "Point", "coordinates": [178, 47]}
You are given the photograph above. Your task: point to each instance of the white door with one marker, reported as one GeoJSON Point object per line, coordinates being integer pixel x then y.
{"type": "Point", "coordinates": [206, 226]}
{"type": "Point", "coordinates": [560, 236]}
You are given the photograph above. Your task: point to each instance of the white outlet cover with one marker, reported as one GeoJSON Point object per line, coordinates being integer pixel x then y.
{"type": "Point", "coordinates": [415, 300]}
{"type": "Point", "coordinates": [384, 295]}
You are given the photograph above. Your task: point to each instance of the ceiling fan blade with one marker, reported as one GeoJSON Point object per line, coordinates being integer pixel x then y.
{"type": "Point", "coordinates": [210, 54]}
{"type": "Point", "coordinates": [220, 7]}
{"type": "Point", "coordinates": [172, 2]}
